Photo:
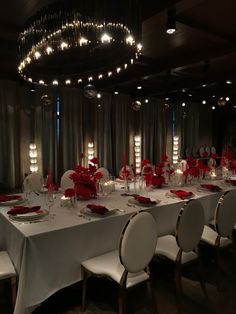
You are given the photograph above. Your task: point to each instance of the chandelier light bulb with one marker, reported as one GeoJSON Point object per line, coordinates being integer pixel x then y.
{"type": "Point", "coordinates": [41, 82]}
{"type": "Point", "coordinates": [99, 95]}
{"type": "Point", "coordinates": [130, 40]}
{"type": "Point", "coordinates": [68, 82]}
{"type": "Point", "coordinates": [139, 47]}
{"type": "Point", "coordinates": [83, 41]}
{"type": "Point", "coordinates": [100, 76]}
{"type": "Point", "coordinates": [106, 38]}
{"type": "Point", "coordinates": [28, 59]}
{"type": "Point", "coordinates": [227, 98]}
{"type": "Point", "coordinates": [30, 79]}
{"type": "Point", "coordinates": [64, 45]}
{"type": "Point", "coordinates": [37, 55]}
{"type": "Point", "coordinates": [80, 80]}
{"type": "Point", "coordinates": [204, 102]}
{"type": "Point", "coordinates": [146, 100]}
{"type": "Point", "coordinates": [54, 82]}
{"type": "Point", "coordinates": [49, 50]}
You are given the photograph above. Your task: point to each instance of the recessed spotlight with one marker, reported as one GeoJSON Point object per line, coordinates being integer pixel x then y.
{"type": "Point", "coordinates": [190, 95]}
{"type": "Point", "coordinates": [227, 98]}
{"type": "Point", "coordinates": [184, 90]}
{"type": "Point", "coordinates": [116, 93]}
{"type": "Point", "coordinates": [167, 98]}
{"type": "Point", "coordinates": [139, 87]}
{"type": "Point", "coordinates": [213, 107]}
{"type": "Point", "coordinates": [204, 85]}
{"type": "Point", "coordinates": [228, 82]}
{"type": "Point", "coordinates": [32, 90]}
{"type": "Point", "coordinates": [99, 95]}
{"type": "Point", "coordinates": [146, 100]}
{"type": "Point", "coordinates": [213, 96]}
{"type": "Point", "coordinates": [204, 102]}
{"type": "Point", "coordinates": [183, 104]}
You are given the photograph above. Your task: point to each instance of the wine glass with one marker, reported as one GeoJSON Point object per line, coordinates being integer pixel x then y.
{"type": "Point", "coordinates": [27, 189]}
{"type": "Point", "coordinates": [49, 201]}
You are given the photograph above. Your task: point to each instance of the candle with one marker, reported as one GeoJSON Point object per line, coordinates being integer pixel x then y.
{"type": "Point", "coordinates": [179, 177]}
{"type": "Point", "coordinates": [124, 162]}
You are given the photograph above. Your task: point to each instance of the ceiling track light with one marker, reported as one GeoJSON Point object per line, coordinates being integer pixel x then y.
{"type": "Point", "coordinates": [171, 22]}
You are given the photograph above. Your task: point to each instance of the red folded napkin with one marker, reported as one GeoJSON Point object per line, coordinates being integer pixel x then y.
{"type": "Point", "coordinates": [181, 193]}
{"type": "Point", "coordinates": [211, 187]}
{"type": "Point", "coordinates": [16, 210]}
{"type": "Point", "coordinates": [7, 198]}
{"type": "Point", "coordinates": [98, 209]}
{"type": "Point", "coordinates": [144, 200]}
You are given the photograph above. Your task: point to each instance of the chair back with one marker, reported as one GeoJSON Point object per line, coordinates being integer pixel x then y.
{"type": "Point", "coordinates": [138, 241]}
{"type": "Point", "coordinates": [105, 173]}
{"type": "Point", "coordinates": [190, 224]}
{"type": "Point", "coordinates": [66, 181]}
{"type": "Point", "coordinates": [33, 182]}
{"type": "Point", "coordinates": [225, 213]}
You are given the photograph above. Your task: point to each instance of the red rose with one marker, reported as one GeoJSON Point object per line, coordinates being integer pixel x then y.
{"type": "Point", "coordinates": [98, 175]}
{"type": "Point", "coordinates": [94, 160]}
{"type": "Point", "coordinates": [70, 192]}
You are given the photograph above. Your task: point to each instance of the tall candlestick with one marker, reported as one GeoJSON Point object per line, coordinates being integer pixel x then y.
{"type": "Point", "coordinates": [125, 162]}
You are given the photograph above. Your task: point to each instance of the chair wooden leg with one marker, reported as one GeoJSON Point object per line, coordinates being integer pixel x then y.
{"type": "Point", "coordinates": [122, 300]}
{"type": "Point", "coordinates": [84, 277]}
{"type": "Point", "coordinates": [13, 291]}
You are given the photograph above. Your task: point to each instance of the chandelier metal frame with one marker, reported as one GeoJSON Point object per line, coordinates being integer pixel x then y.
{"type": "Point", "coordinates": [54, 36]}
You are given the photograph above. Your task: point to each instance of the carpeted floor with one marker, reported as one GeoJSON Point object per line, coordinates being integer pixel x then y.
{"type": "Point", "coordinates": [102, 293]}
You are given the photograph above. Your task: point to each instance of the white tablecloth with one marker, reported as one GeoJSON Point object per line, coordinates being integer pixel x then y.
{"type": "Point", "coordinates": [47, 255]}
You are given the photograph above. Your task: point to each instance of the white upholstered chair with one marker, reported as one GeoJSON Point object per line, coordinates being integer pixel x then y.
{"type": "Point", "coordinates": [105, 173]}
{"type": "Point", "coordinates": [181, 247]}
{"type": "Point", "coordinates": [66, 181]}
{"type": "Point", "coordinates": [7, 272]}
{"type": "Point", "coordinates": [219, 234]}
{"type": "Point", "coordinates": [127, 266]}
{"type": "Point", "coordinates": [33, 182]}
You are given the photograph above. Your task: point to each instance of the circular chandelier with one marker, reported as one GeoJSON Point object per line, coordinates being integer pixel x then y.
{"type": "Point", "coordinates": [77, 42]}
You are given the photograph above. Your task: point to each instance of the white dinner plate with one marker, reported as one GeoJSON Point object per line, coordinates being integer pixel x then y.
{"type": "Point", "coordinates": [30, 216]}
{"type": "Point", "coordinates": [133, 201]}
{"type": "Point", "coordinates": [13, 202]}
{"type": "Point", "coordinates": [87, 211]}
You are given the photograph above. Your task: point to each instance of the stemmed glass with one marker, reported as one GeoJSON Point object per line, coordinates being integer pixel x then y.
{"type": "Point", "coordinates": [26, 189]}
{"type": "Point", "coordinates": [49, 201]}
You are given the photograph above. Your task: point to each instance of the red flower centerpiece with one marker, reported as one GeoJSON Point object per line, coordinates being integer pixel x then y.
{"type": "Point", "coordinates": [158, 180]}
{"type": "Point", "coordinates": [85, 179]}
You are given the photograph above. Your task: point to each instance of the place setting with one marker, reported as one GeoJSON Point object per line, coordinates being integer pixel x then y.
{"type": "Point", "coordinates": [97, 210]}
{"type": "Point", "coordinates": [181, 194]}
{"type": "Point", "coordinates": [143, 201]}
{"type": "Point", "coordinates": [28, 214]}
{"type": "Point", "coordinates": [9, 200]}
{"type": "Point", "coordinates": [209, 188]}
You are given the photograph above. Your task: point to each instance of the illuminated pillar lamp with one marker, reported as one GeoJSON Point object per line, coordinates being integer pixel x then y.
{"type": "Point", "coordinates": [137, 153]}
{"type": "Point", "coordinates": [175, 149]}
{"type": "Point", "coordinates": [90, 150]}
{"type": "Point", "coordinates": [33, 158]}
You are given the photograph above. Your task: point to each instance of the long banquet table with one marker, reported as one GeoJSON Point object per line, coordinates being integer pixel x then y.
{"type": "Point", "coordinates": [47, 255]}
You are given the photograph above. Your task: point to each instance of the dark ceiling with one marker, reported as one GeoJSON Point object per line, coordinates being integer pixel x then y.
{"type": "Point", "coordinates": [192, 64]}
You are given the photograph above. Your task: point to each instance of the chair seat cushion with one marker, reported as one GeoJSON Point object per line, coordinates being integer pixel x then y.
{"type": "Point", "coordinates": [209, 236]}
{"type": "Point", "coordinates": [167, 247]}
{"type": "Point", "coordinates": [6, 267]}
{"type": "Point", "coordinates": [109, 265]}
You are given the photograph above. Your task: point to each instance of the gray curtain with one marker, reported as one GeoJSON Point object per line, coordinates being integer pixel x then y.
{"type": "Point", "coordinates": [9, 135]}
{"type": "Point", "coordinates": [187, 126]}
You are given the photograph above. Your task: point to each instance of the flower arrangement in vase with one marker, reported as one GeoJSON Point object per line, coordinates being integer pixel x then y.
{"type": "Point", "coordinates": [85, 180]}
